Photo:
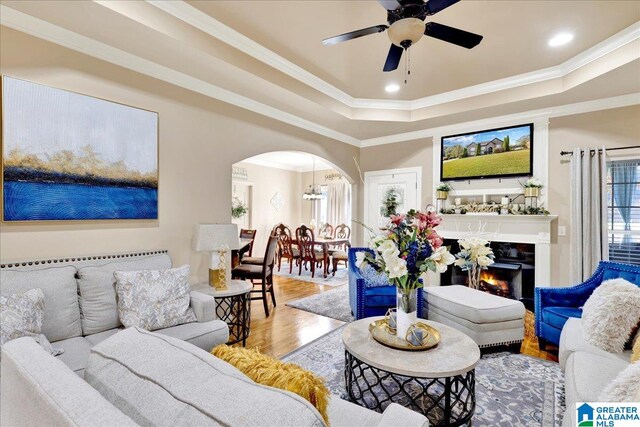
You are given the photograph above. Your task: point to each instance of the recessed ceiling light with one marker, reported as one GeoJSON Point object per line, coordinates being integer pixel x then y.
{"type": "Point", "coordinates": [560, 39]}
{"type": "Point", "coordinates": [392, 87]}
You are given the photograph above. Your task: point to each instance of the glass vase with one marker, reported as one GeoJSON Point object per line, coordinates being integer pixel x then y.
{"type": "Point", "coordinates": [406, 310]}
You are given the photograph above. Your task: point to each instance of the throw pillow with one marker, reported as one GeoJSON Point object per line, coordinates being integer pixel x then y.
{"type": "Point", "coordinates": [154, 299]}
{"type": "Point", "coordinates": [625, 387]}
{"type": "Point", "coordinates": [271, 372]}
{"type": "Point", "coordinates": [373, 278]}
{"type": "Point", "coordinates": [610, 314]}
{"type": "Point", "coordinates": [21, 315]}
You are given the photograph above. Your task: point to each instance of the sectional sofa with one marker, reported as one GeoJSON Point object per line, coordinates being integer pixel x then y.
{"type": "Point", "coordinates": [111, 376]}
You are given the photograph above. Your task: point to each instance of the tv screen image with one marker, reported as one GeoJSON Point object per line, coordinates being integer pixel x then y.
{"type": "Point", "coordinates": [493, 153]}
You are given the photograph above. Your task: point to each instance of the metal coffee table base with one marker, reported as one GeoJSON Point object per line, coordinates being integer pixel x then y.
{"type": "Point", "coordinates": [449, 401]}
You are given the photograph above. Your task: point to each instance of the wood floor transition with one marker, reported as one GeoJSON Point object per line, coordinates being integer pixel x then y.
{"type": "Point", "coordinates": [288, 328]}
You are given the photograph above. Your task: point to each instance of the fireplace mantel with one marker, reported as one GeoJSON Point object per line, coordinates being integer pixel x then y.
{"type": "Point", "coordinates": [535, 229]}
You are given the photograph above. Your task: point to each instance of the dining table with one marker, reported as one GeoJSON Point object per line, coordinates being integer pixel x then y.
{"type": "Point", "coordinates": [325, 242]}
{"type": "Point", "coordinates": [235, 253]}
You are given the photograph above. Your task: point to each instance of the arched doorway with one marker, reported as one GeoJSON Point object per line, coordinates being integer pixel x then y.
{"type": "Point", "coordinates": [272, 188]}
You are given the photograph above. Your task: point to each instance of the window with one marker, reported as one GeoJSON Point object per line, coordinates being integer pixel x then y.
{"type": "Point", "coordinates": [623, 206]}
{"type": "Point", "coordinates": [324, 206]}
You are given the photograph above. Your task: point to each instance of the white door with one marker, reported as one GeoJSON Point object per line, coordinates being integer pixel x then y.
{"type": "Point", "coordinates": [242, 192]}
{"type": "Point", "coordinates": [404, 183]}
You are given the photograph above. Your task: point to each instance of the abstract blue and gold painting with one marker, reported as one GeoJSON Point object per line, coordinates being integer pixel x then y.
{"type": "Point", "coordinates": [68, 156]}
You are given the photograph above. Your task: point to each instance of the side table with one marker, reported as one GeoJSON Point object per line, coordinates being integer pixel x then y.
{"type": "Point", "coordinates": [233, 306]}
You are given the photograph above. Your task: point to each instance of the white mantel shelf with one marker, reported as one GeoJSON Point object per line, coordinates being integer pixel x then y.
{"type": "Point", "coordinates": [532, 229]}
{"type": "Point", "coordinates": [502, 218]}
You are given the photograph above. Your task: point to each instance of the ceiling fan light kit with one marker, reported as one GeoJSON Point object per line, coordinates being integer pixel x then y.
{"type": "Point", "coordinates": [406, 30]}
{"type": "Point", "coordinates": [406, 27]}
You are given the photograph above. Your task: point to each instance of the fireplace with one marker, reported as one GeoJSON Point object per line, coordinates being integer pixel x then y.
{"type": "Point", "coordinates": [512, 275]}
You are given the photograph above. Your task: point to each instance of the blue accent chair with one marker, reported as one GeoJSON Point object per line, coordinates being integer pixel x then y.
{"type": "Point", "coordinates": [369, 302]}
{"type": "Point", "coordinates": [555, 305]}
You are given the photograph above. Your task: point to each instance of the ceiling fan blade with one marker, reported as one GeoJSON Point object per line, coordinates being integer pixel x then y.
{"type": "Point", "coordinates": [354, 35]}
{"type": "Point", "coordinates": [389, 4]}
{"type": "Point", "coordinates": [452, 35]}
{"type": "Point", "coordinates": [393, 58]}
{"type": "Point", "coordinates": [434, 6]}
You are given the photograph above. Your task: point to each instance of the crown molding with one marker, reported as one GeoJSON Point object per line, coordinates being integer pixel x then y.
{"type": "Point", "coordinates": [198, 19]}
{"type": "Point", "coordinates": [44, 30]}
{"type": "Point", "coordinates": [209, 25]}
{"type": "Point", "coordinates": [540, 116]}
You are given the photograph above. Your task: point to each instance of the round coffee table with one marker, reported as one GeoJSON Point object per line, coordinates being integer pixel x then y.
{"type": "Point", "coordinates": [439, 382]}
{"type": "Point", "coordinates": [233, 306]}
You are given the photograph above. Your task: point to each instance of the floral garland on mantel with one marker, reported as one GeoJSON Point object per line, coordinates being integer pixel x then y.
{"type": "Point", "coordinates": [493, 208]}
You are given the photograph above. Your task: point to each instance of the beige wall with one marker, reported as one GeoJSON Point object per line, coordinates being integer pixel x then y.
{"type": "Point", "coordinates": [619, 127]}
{"type": "Point", "coordinates": [403, 155]}
{"type": "Point", "coordinates": [266, 182]}
{"type": "Point", "coordinates": [199, 141]}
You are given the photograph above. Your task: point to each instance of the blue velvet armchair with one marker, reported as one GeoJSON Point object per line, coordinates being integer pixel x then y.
{"type": "Point", "coordinates": [370, 301]}
{"type": "Point", "coordinates": [555, 305]}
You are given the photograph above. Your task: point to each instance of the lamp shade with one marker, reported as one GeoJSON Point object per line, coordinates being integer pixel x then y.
{"type": "Point", "coordinates": [209, 237]}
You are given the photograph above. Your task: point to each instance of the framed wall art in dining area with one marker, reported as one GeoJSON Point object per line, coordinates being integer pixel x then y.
{"type": "Point", "coordinates": [68, 156]}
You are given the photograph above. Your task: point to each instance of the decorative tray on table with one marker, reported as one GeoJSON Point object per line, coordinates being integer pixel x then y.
{"type": "Point", "coordinates": [381, 332]}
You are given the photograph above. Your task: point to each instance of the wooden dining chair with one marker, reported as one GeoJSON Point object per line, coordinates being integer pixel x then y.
{"type": "Point", "coordinates": [248, 234]}
{"type": "Point", "coordinates": [338, 255]}
{"type": "Point", "coordinates": [308, 252]}
{"type": "Point", "coordinates": [286, 248]}
{"type": "Point", "coordinates": [326, 230]}
{"type": "Point", "coordinates": [261, 275]}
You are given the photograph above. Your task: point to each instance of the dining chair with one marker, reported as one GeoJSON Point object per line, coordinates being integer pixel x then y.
{"type": "Point", "coordinates": [308, 252]}
{"type": "Point", "coordinates": [248, 234]}
{"type": "Point", "coordinates": [340, 254]}
{"type": "Point", "coordinates": [326, 230]}
{"type": "Point", "coordinates": [286, 248]}
{"type": "Point", "coordinates": [261, 274]}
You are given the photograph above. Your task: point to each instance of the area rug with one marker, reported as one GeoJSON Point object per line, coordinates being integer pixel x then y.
{"type": "Point", "coordinates": [512, 390]}
{"type": "Point", "coordinates": [339, 279]}
{"type": "Point", "coordinates": [333, 303]}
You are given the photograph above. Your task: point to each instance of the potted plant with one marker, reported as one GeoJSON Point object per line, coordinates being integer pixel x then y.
{"type": "Point", "coordinates": [390, 203]}
{"type": "Point", "coordinates": [442, 191]}
{"type": "Point", "coordinates": [532, 187]}
{"type": "Point", "coordinates": [408, 248]}
{"type": "Point", "coordinates": [238, 209]}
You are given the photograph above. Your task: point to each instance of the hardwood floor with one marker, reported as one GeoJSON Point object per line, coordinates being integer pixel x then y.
{"type": "Point", "coordinates": [288, 328]}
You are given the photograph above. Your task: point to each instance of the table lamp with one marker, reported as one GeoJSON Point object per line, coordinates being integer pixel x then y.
{"type": "Point", "coordinates": [217, 239]}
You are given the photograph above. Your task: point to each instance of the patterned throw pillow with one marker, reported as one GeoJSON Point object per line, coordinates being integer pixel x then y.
{"type": "Point", "coordinates": [154, 299]}
{"type": "Point", "coordinates": [21, 316]}
{"type": "Point", "coordinates": [373, 278]}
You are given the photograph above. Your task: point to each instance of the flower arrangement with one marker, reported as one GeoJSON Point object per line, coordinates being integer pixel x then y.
{"type": "Point", "coordinates": [443, 186]}
{"type": "Point", "coordinates": [475, 255]}
{"type": "Point", "coordinates": [409, 247]}
{"type": "Point", "coordinates": [532, 183]}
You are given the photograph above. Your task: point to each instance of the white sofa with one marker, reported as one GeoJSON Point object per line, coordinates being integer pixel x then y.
{"type": "Point", "coordinates": [80, 302]}
{"type": "Point", "coordinates": [587, 368]}
{"type": "Point", "coordinates": [110, 376]}
{"type": "Point", "coordinates": [137, 377]}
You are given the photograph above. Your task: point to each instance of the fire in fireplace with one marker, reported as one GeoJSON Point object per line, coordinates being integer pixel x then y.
{"type": "Point", "coordinates": [512, 275]}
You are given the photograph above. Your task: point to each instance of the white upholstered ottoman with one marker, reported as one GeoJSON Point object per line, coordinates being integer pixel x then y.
{"type": "Point", "coordinates": [488, 319]}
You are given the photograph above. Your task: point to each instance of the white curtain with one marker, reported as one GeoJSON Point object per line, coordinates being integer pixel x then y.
{"type": "Point", "coordinates": [339, 204]}
{"type": "Point", "coordinates": [588, 212]}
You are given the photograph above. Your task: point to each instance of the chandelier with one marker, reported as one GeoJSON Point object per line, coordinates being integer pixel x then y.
{"type": "Point", "coordinates": [313, 193]}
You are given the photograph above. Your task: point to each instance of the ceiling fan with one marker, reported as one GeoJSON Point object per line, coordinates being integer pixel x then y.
{"type": "Point", "coordinates": [407, 26]}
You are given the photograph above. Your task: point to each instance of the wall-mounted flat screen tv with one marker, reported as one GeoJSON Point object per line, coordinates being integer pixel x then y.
{"type": "Point", "coordinates": [493, 153]}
